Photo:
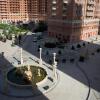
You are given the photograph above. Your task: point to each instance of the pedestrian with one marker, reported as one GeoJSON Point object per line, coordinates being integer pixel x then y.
{"type": "Point", "coordinates": [20, 38]}
{"type": "Point", "coordinates": [2, 54]}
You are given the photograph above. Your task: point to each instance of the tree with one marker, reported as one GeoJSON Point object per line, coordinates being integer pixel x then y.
{"type": "Point", "coordinates": [78, 46]}
{"type": "Point", "coordinates": [98, 50]}
{"type": "Point", "coordinates": [41, 27]}
{"type": "Point", "coordinates": [59, 52]}
{"type": "Point", "coordinates": [63, 60]}
{"type": "Point", "coordinates": [72, 60]}
{"type": "Point", "coordinates": [82, 58]}
{"type": "Point", "coordinates": [73, 48]}
{"type": "Point", "coordinates": [84, 44]}
{"type": "Point", "coordinates": [47, 52]}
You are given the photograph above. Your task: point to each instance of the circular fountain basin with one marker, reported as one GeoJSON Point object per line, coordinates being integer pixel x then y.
{"type": "Point", "coordinates": [18, 78]}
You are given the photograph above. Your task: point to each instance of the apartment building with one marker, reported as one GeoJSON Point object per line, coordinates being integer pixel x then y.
{"type": "Point", "coordinates": [22, 10]}
{"type": "Point", "coordinates": [97, 12]}
{"type": "Point", "coordinates": [72, 20]}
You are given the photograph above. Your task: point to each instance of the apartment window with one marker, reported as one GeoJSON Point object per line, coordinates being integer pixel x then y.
{"type": "Point", "coordinates": [54, 2]}
{"type": "Point", "coordinates": [65, 1]}
{"type": "Point", "coordinates": [53, 14]}
{"type": "Point", "coordinates": [79, 10]}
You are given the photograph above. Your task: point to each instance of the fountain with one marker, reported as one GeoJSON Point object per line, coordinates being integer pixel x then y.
{"type": "Point", "coordinates": [26, 76]}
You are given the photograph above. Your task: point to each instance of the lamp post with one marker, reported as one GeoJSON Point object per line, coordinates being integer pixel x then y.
{"type": "Point", "coordinates": [40, 60]}
{"type": "Point", "coordinates": [54, 65]}
{"type": "Point", "coordinates": [21, 56]}
{"type": "Point", "coordinates": [13, 39]}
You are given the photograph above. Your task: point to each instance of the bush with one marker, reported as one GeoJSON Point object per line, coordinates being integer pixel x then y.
{"type": "Point", "coordinates": [93, 53]}
{"type": "Point", "coordinates": [38, 49]}
{"type": "Point", "coordinates": [57, 60]}
{"type": "Point", "coordinates": [50, 45]}
{"type": "Point", "coordinates": [78, 46]}
{"type": "Point", "coordinates": [84, 44]}
{"type": "Point", "coordinates": [1, 38]}
{"type": "Point", "coordinates": [73, 48]}
{"type": "Point", "coordinates": [50, 61]}
{"type": "Point", "coordinates": [82, 58]}
{"type": "Point", "coordinates": [98, 50]}
{"type": "Point", "coordinates": [47, 53]}
{"type": "Point", "coordinates": [38, 46]}
{"type": "Point", "coordinates": [64, 60]}
{"type": "Point", "coordinates": [72, 60]}
{"type": "Point", "coordinates": [88, 42]}
{"type": "Point", "coordinates": [59, 52]}
{"type": "Point", "coordinates": [9, 37]}
{"type": "Point", "coordinates": [4, 39]}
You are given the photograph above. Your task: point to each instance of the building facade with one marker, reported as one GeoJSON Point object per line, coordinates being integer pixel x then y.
{"type": "Point", "coordinates": [22, 10]}
{"type": "Point", "coordinates": [97, 12]}
{"type": "Point", "coordinates": [72, 20]}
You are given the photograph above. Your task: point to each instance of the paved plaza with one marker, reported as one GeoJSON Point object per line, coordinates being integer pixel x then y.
{"type": "Point", "coordinates": [77, 81]}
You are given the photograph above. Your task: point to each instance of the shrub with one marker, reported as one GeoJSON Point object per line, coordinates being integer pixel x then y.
{"type": "Point", "coordinates": [84, 44]}
{"type": "Point", "coordinates": [64, 60]}
{"type": "Point", "coordinates": [47, 53]}
{"type": "Point", "coordinates": [82, 58]}
{"type": "Point", "coordinates": [78, 46]}
{"type": "Point", "coordinates": [57, 60]}
{"type": "Point", "coordinates": [59, 52]}
{"type": "Point", "coordinates": [50, 45]}
{"type": "Point", "coordinates": [4, 39]}
{"type": "Point", "coordinates": [38, 46]}
{"type": "Point", "coordinates": [72, 60]}
{"type": "Point", "coordinates": [73, 48]}
{"type": "Point", "coordinates": [88, 42]}
{"type": "Point", "coordinates": [92, 53]}
{"type": "Point", "coordinates": [50, 61]}
{"type": "Point", "coordinates": [98, 50]}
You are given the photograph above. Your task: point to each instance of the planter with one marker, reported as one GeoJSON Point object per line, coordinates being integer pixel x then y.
{"type": "Point", "coordinates": [4, 39]}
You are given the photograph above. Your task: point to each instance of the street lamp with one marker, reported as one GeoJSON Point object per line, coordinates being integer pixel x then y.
{"type": "Point", "coordinates": [21, 56]}
{"type": "Point", "coordinates": [54, 65]}
{"type": "Point", "coordinates": [40, 60]}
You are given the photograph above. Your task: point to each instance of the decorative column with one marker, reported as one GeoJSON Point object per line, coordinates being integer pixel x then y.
{"type": "Point", "coordinates": [40, 61]}
{"type": "Point", "coordinates": [21, 56]}
{"type": "Point", "coordinates": [54, 66]}
{"type": "Point", "coordinates": [13, 39]}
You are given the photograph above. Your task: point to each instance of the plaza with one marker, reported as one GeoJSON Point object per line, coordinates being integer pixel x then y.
{"type": "Point", "coordinates": [76, 80]}
{"type": "Point", "coordinates": [49, 50]}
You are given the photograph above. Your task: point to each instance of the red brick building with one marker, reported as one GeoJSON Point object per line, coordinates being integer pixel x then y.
{"type": "Point", "coordinates": [97, 12]}
{"type": "Point", "coordinates": [22, 10]}
{"type": "Point", "coordinates": [72, 20]}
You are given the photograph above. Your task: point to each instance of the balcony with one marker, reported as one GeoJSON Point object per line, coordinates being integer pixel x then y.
{"type": "Point", "coordinates": [54, 2]}
{"type": "Point", "coordinates": [91, 1]}
{"type": "Point", "coordinates": [53, 8]}
{"type": "Point", "coordinates": [90, 8]}
{"type": "Point", "coordinates": [90, 14]}
{"type": "Point", "coordinates": [53, 14]}
{"type": "Point", "coordinates": [65, 1]}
